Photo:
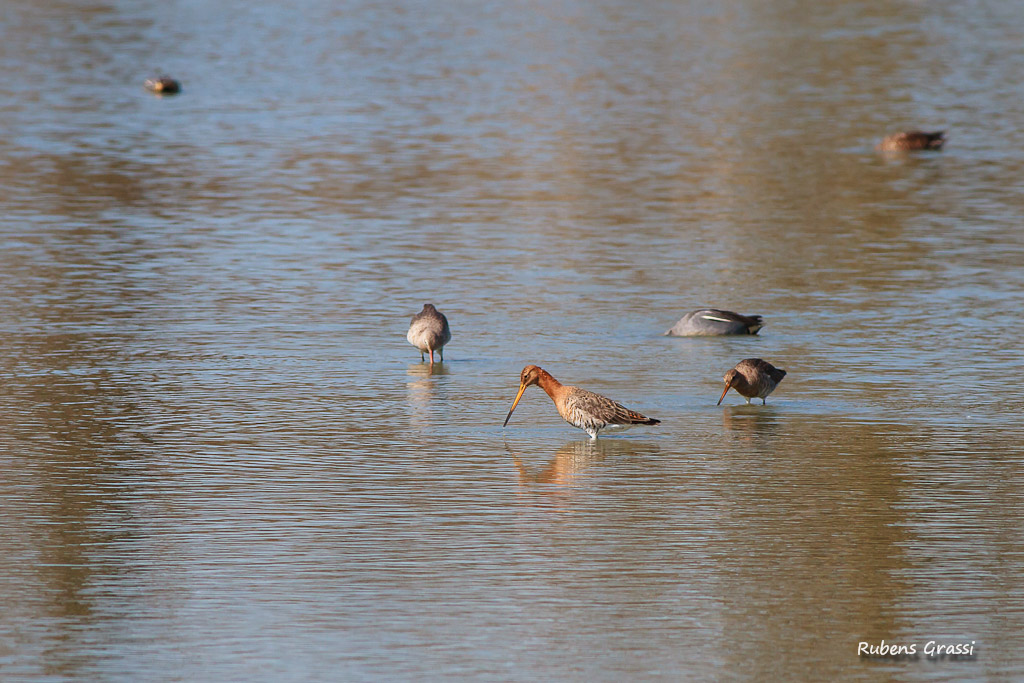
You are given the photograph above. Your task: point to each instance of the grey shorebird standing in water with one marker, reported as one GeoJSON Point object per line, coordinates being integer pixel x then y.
{"type": "Point", "coordinates": [709, 322]}
{"type": "Point", "coordinates": [753, 378]}
{"type": "Point", "coordinates": [581, 408]}
{"type": "Point", "coordinates": [429, 332]}
{"type": "Point", "coordinates": [912, 141]}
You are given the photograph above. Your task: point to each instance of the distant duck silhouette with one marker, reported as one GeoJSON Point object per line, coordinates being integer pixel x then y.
{"type": "Point", "coordinates": [752, 378]}
{"type": "Point", "coordinates": [708, 322]}
{"type": "Point", "coordinates": [164, 85]}
{"type": "Point", "coordinates": [429, 332]}
{"type": "Point", "coordinates": [911, 141]}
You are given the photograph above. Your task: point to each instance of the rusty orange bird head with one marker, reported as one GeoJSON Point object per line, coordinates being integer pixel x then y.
{"type": "Point", "coordinates": [529, 375]}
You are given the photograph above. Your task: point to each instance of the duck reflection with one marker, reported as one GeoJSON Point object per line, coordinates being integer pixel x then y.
{"type": "Point", "coordinates": [425, 390]}
{"type": "Point", "coordinates": [574, 458]}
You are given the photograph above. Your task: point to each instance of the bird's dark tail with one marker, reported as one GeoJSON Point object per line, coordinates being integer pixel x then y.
{"type": "Point", "coordinates": [937, 139]}
{"type": "Point", "coordinates": [635, 418]}
{"type": "Point", "coordinates": [753, 323]}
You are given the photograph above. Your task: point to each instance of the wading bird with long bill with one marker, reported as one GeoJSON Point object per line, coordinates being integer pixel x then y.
{"type": "Point", "coordinates": [581, 408]}
{"type": "Point", "coordinates": [752, 378]}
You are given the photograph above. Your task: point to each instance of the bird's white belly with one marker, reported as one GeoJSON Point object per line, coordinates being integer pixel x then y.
{"type": "Point", "coordinates": [419, 338]}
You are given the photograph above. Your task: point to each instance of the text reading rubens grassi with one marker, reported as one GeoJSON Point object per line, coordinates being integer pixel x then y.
{"type": "Point", "coordinates": [932, 650]}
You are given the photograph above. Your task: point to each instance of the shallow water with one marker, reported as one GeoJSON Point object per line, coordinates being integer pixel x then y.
{"type": "Point", "coordinates": [221, 459]}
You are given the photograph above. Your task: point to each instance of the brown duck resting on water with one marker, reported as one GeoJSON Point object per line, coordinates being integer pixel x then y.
{"type": "Point", "coordinates": [752, 378]}
{"type": "Point", "coordinates": [912, 141]}
{"type": "Point", "coordinates": [581, 408]}
{"type": "Point", "coordinates": [164, 85]}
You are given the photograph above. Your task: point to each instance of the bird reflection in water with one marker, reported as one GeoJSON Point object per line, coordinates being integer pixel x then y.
{"type": "Point", "coordinates": [748, 422]}
{"type": "Point", "coordinates": [572, 459]}
{"type": "Point", "coordinates": [426, 389]}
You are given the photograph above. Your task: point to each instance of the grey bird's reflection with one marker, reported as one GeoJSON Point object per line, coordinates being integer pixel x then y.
{"type": "Point", "coordinates": [575, 457]}
{"type": "Point", "coordinates": [425, 391]}
{"type": "Point", "coordinates": [426, 370]}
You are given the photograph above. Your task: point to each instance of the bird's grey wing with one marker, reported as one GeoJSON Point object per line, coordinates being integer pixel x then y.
{"type": "Point", "coordinates": [604, 409]}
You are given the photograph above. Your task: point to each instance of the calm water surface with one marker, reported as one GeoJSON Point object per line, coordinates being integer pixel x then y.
{"type": "Point", "coordinates": [221, 460]}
